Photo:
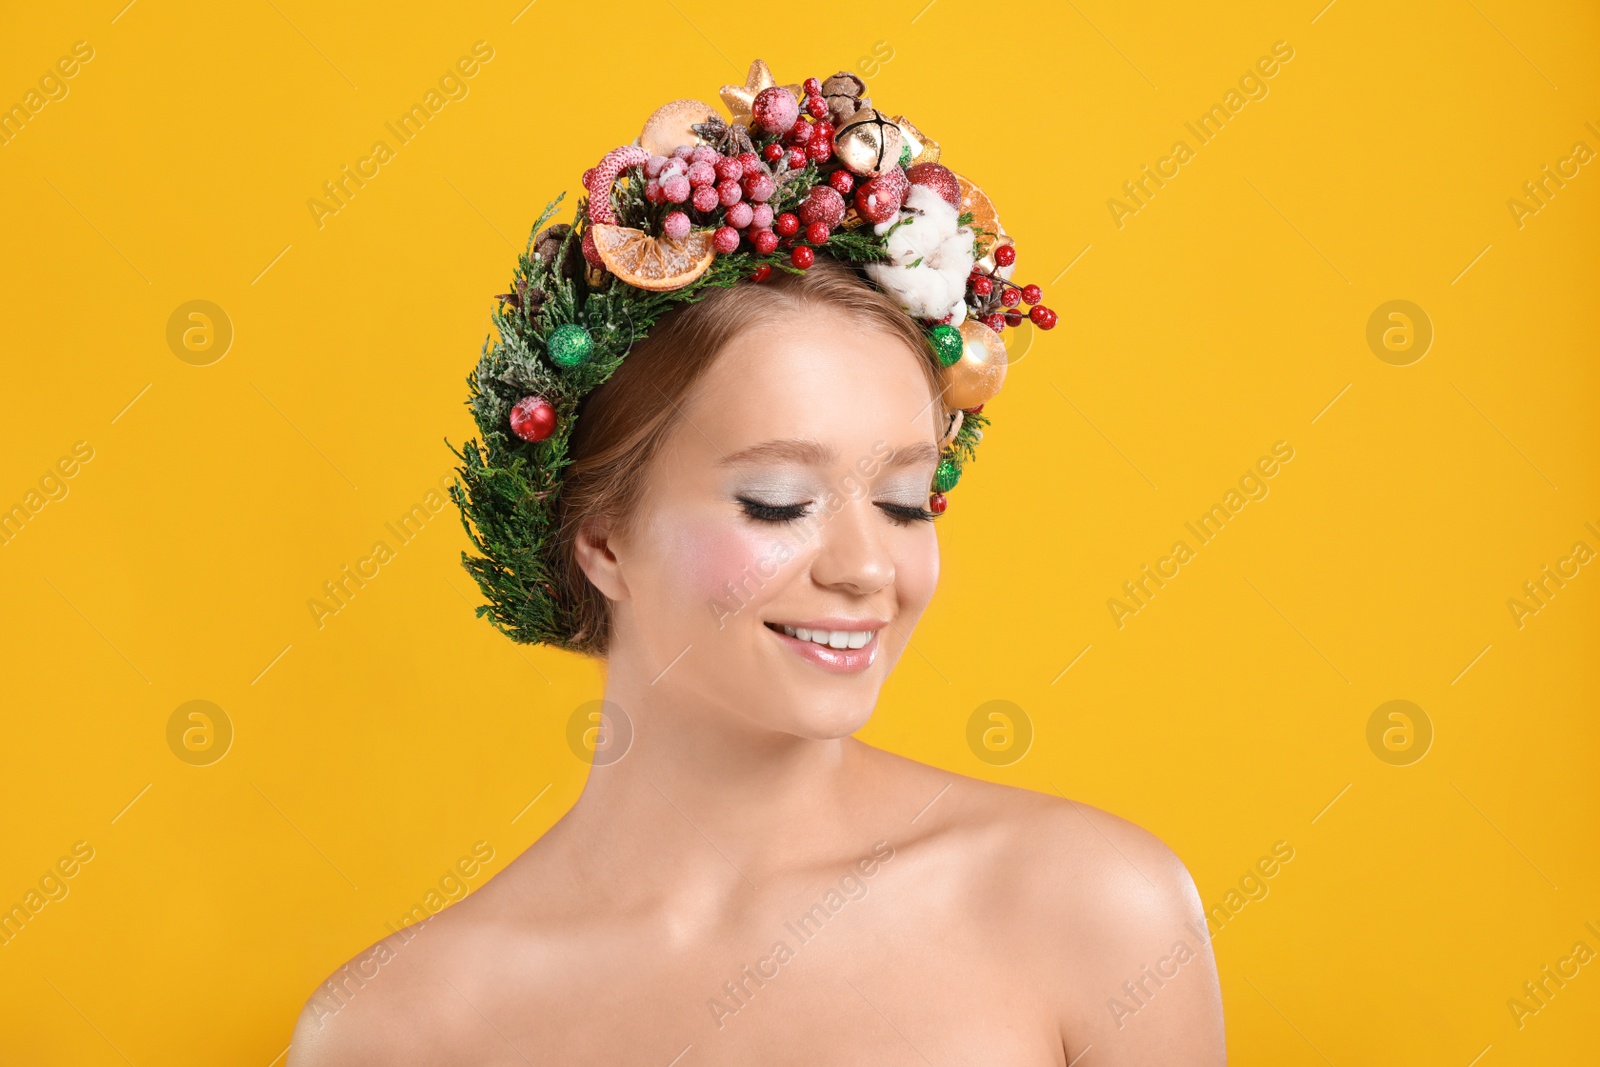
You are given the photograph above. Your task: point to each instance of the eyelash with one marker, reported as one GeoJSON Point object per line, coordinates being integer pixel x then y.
{"type": "Point", "coordinates": [898, 514]}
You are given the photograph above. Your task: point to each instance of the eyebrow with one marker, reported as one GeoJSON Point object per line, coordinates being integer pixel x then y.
{"type": "Point", "coordinates": [815, 453]}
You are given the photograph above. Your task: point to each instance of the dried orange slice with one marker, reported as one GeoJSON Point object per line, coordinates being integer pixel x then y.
{"type": "Point", "coordinates": [984, 216]}
{"type": "Point", "coordinates": [656, 263]}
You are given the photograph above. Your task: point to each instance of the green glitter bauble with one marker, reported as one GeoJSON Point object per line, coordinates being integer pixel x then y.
{"type": "Point", "coordinates": [569, 345]}
{"type": "Point", "coordinates": [905, 155]}
{"type": "Point", "coordinates": [946, 475]}
{"type": "Point", "coordinates": [947, 344]}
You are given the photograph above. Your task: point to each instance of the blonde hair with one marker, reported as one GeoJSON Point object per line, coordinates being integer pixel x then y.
{"type": "Point", "coordinates": [623, 424]}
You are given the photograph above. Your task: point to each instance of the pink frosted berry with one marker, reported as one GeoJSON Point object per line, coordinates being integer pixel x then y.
{"type": "Point", "coordinates": [676, 225]}
{"type": "Point", "coordinates": [705, 198]}
{"type": "Point", "coordinates": [725, 240]}
{"type": "Point", "coordinates": [728, 169]}
{"type": "Point", "coordinates": [703, 154]}
{"type": "Point", "coordinates": [750, 164]}
{"type": "Point", "coordinates": [676, 188]}
{"type": "Point", "coordinates": [763, 216]}
{"type": "Point", "coordinates": [759, 187]}
{"type": "Point", "coordinates": [652, 192]}
{"type": "Point", "coordinates": [653, 165]}
{"type": "Point", "coordinates": [683, 151]}
{"type": "Point", "coordinates": [740, 214]}
{"type": "Point", "coordinates": [797, 157]}
{"type": "Point", "coordinates": [701, 173]}
{"type": "Point", "coordinates": [729, 193]}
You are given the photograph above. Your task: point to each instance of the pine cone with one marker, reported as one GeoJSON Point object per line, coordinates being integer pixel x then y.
{"type": "Point", "coordinates": [846, 94]}
{"type": "Point", "coordinates": [547, 248]}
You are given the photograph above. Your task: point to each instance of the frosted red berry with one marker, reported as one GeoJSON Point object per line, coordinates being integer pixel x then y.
{"type": "Point", "coordinates": [842, 181]}
{"type": "Point", "coordinates": [1032, 294]}
{"type": "Point", "coordinates": [786, 224]}
{"type": "Point", "coordinates": [982, 286]}
{"type": "Point", "coordinates": [1005, 255]}
{"type": "Point", "coordinates": [1011, 297]}
{"type": "Point", "coordinates": [675, 225]}
{"type": "Point", "coordinates": [705, 198]}
{"type": "Point", "coordinates": [725, 240]}
{"type": "Point", "coordinates": [802, 257]}
{"type": "Point", "coordinates": [811, 87]}
{"type": "Point", "coordinates": [773, 152]}
{"type": "Point", "coordinates": [995, 322]}
{"type": "Point", "coordinates": [759, 188]}
{"type": "Point", "coordinates": [762, 273]}
{"type": "Point", "coordinates": [817, 233]}
{"type": "Point", "coordinates": [1043, 317]}
{"type": "Point", "coordinates": [766, 242]}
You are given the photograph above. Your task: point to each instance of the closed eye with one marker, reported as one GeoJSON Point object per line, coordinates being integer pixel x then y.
{"type": "Point", "coordinates": [899, 514]}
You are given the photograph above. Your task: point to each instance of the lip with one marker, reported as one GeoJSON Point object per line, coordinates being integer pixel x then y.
{"type": "Point", "coordinates": [834, 660]}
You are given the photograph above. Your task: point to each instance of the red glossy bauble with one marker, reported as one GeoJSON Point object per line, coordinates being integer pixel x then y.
{"type": "Point", "coordinates": [533, 418]}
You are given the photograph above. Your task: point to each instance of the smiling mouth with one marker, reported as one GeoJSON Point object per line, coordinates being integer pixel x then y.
{"type": "Point", "coordinates": [835, 639]}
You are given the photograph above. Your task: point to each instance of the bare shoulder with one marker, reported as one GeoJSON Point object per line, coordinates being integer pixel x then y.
{"type": "Point", "coordinates": [405, 999]}
{"type": "Point", "coordinates": [1098, 911]}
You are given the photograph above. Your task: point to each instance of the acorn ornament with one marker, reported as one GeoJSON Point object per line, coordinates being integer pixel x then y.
{"type": "Point", "coordinates": [569, 345]}
{"type": "Point", "coordinates": [978, 374]}
{"type": "Point", "coordinates": [845, 94]}
{"type": "Point", "coordinates": [533, 418]}
{"type": "Point", "coordinates": [868, 143]}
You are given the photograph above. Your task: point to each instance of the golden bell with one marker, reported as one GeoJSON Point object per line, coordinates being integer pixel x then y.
{"type": "Point", "coordinates": [868, 143]}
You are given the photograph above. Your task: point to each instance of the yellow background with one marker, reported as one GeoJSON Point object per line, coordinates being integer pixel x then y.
{"type": "Point", "coordinates": [371, 754]}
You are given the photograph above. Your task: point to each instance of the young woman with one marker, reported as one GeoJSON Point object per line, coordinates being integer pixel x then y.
{"type": "Point", "coordinates": [747, 542]}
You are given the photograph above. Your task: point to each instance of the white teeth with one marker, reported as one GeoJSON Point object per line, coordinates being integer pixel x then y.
{"type": "Point", "coordinates": [831, 638]}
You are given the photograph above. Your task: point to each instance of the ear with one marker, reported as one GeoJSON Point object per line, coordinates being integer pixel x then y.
{"type": "Point", "coordinates": [595, 553]}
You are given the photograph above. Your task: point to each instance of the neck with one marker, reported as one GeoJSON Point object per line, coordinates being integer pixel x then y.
{"type": "Point", "coordinates": [702, 792]}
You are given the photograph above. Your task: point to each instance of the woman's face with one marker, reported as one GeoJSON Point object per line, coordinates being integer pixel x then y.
{"type": "Point", "coordinates": [792, 493]}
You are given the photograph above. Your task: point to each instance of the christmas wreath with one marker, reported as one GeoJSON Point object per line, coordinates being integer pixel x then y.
{"type": "Point", "coordinates": [702, 200]}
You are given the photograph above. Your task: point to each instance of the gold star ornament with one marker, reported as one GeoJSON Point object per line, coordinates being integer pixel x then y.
{"type": "Point", "coordinates": [739, 98]}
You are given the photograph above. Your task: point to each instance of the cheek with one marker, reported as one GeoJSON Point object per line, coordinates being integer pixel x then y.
{"type": "Point", "coordinates": [916, 571]}
{"type": "Point", "coordinates": [730, 565]}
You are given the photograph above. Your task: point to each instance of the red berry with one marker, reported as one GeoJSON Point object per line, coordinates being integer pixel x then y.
{"type": "Point", "coordinates": [1013, 318]}
{"type": "Point", "coordinates": [762, 216]}
{"type": "Point", "coordinates": [766, 242]}
{"type": "Point", "coordinates": [750, 164]}
{"type": "Point", "coordinates": [820, 149]}
{"type": "Point", "coordinates": [786, 224]}
{"type": "Point", "coordinates": [842, 181]}
{"type": "Point", "coordinates": [822, 130]}
{"type": "Point", "coordinates": [702, 174]}
{"type": "Point", "coordinates": [728, 169]}
{"type": "Point", "coordinates": [937, 503]}
{"type": "Point", "coordinates": [676, 188]}
{"type": "Point", "coordinates": [802, 257]}
{"type": "Point", "coordinates": [533, 418]}
{"type": "Point", "coordinates": [762, 273]}
{"type": "Point", "coordinates": [995, 322]}
{"type": "Point", "coordinates": [797, 157]}
{"type": "Point", "coordinates": [741, 214]}
{"type": "Point", "coordinates": [759, 188]}
{"type": "Point", "coordinates": [1043, 317]}
{"type": "Point", "coordinates": [725, 240]}
{"type": "Point", "coordinates": [653, 193]}
{"type": "Point", "coordinates": [773, 152]}
{"type": "Point", "coordinates": [982, 286]}
{"type": "Point", "coordinates": [705, 198]}
{"type": "Point", "coordinates": [817, 233]}
{"type": "Point", "coordinates": [811, 87]}
{"type": "Point", "coordinates": [1011, 297]}
{"type": "Point", "coordinates": [675, 226]}
{"type": "Point", "coordinates": [729, 193]}
{"type": "Point", "coordinates": [801, 134]}
{"type": "Point", "coordinates": [1032, 294]}
{"type": "Point", "coordinates": [1005, 255]}
{"type": "Point", "coordinates": [816, 107]}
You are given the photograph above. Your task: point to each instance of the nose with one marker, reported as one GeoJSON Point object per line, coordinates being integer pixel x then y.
{"type": "Point", "coordinates": [852, 549]}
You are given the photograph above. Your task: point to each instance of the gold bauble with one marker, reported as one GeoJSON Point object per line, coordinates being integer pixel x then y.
{"type": "Point", "coordinates": [672, 125]}
{"type": "Point", "coordinates": [978, 374]}
{"type": "Point", "coordinates": [868, 143]}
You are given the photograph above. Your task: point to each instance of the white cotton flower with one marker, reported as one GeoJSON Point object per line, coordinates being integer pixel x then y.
{"type": "Point", "coordinates": [930, 258]}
